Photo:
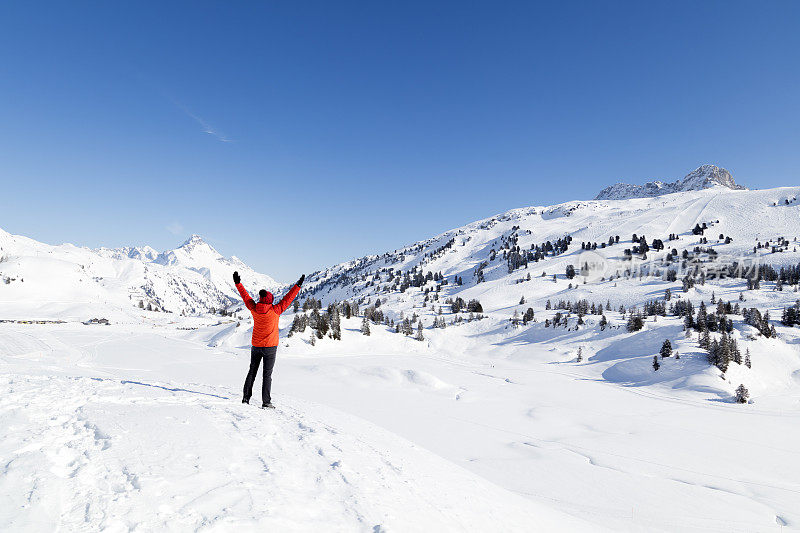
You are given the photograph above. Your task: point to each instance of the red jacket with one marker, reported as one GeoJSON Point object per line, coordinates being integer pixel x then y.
{"type": "Point", "coordinates": [266, 315]}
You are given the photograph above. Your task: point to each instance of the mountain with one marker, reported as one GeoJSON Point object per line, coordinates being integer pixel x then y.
{"type": "Point", "coordinates": [703, 177]}
{"type": "Point", "coordinates": [197, 255]}
{"type": "Point", "coordinates": [499, 249]}
{"type": "Point", "coordinates": [65, 281]}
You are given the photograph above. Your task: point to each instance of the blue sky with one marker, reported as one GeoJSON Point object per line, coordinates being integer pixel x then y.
{"type": "Point", "coordinates": [299, 134]}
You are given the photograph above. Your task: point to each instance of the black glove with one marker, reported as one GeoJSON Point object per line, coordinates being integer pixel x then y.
{"type": "Point", "coordinates": [236, 279]}
{"type": "Point", "coordinates": [301, 280]}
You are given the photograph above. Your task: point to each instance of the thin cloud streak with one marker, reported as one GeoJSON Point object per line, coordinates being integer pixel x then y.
{"type": "Point", "coordinates": [206, 127]}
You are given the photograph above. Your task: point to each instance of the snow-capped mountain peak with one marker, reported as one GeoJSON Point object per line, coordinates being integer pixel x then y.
{"type": "Point", "coordinates": [193, 252]}
{"type": "Point", "coordinates": [707, 176]}
{"type": "Point", "coordinates": [193, 241]}
{"type": "Point", "coordinates": [703, 177]}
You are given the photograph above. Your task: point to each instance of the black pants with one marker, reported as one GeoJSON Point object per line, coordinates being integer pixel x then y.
{"type": "Point", "coordinates": [256, 354]}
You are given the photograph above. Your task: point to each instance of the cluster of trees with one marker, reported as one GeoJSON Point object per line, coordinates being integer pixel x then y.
{"type": "Point", "coordinates": [791, 315]}
{"type": "Point", "coordinates": [151, 307]}
{"type": "Point", "coordinates": [310, 303]}
{"type": "Point", "coordinates": [518, 258]}
{"type": "Point", "coordinates": [479, 278]}
{"type": "Point", "coordinates": [526, 317]}
{"type": "Point", "coordinates": [593, 245]}
{"type": "Point", "coordinates": [580, 307]}
{"type": "Point", "coordinates": [438, 252]}
{"type": "Point", "coordinates": [785, 275]}
{"type": "Point", "coordinates": [781, 245]}
{"type": "Point", "coordinates": [754, 274]}
{"type": "Point", "coordinates": [328, 322]}
{"type": "Point", "coordinates": [715, 320]}
{"type": "Point", "coordinates": [441, 323]}
{"type": "Point", "coordinates": [458, 305]}
{"type": "Point", "coordinates": [559, 319]}
{"type": "Point", "coordinates": [754, 318]}
{"type": "Point", "coordinates": [635, 321]}
{"type": "Point", "coordinates": [722, 352]}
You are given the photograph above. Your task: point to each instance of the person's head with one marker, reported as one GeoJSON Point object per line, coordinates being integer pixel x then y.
{"type": "Point", "coordinates": [265, 296]}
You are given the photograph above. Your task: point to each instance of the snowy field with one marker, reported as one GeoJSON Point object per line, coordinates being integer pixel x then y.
{"type": "Point", "coordinates": [137, 430]}
{"type": "Point", "coordinates": [140, 428]}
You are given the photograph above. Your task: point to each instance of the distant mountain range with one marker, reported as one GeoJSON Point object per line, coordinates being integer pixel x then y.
{"type": "Point", "coordinates": [704, 177]}
{"type": "Point", "coordinates": [39, 280]}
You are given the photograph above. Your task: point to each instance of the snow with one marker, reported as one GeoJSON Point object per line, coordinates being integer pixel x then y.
{"type": "Point", "coordinates": [93, 437]}
{"type": "Point", "coordinates": [481, 426]}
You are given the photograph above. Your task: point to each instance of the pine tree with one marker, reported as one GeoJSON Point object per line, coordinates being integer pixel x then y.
{"type": "Point", "coordinates": [474, 306]}
{"type": "Point", "coordinates": [747, 358]}
{"type": "Point", "coordinates": [705, 340]}
{"type": "Point", "coordinates": [420, 336]}
{"type": "Point", "coordinates": [742, 394]}
{"type": "Point", "coordinates": [736, 355]}
{"type": "Point", "coordinates": [723, 355]}
{"type": "Point", "coordinates": [635, 322]}
{"type": "Point", "coordinates": [656, 364]}
{"type": "Point", "coordinates": [603, 322]}
{"type": "Point", "coordinates": [322, 326]}
{"type": "Point", "coordinates": [580, 354]}
{"type": "Point", "coordinates": [666, 349]}
{"type": "Point", "coordinates": [336, 324]}
{"type": "Point", "coordinates": [365, 327]}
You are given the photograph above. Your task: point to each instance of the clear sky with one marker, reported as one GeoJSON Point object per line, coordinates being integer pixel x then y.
{"type": "Point", "coordinates": [299, 134]}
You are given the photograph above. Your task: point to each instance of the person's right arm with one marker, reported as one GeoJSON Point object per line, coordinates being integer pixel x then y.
{"type": "Point", "coordinates": [248, 302]}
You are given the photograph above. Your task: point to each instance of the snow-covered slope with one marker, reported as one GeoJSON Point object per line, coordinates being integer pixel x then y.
{"type": "Point", "coordinates": [703, 177]}
{"type": "Point", "coordinates": [504, 242]}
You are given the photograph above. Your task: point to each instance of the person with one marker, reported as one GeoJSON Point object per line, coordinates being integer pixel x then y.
{"type": "Point", "coordinates": [265, 335]}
